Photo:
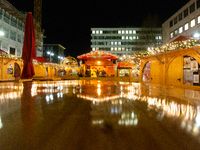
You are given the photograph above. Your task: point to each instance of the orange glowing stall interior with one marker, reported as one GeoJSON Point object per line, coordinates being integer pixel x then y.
{"type": "Point", "coordinates": [98, 64]}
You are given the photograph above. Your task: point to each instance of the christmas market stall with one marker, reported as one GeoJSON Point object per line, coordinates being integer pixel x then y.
{"type": "Point", "coordinates": [129, 67]}
{"type": "Point", "coordinates": [10, 66]}
{"type": "Point", "coordinates": [70, 67]}
{"type": "Point", "coordinates": [44, 69]}
{"type": "Point", "coordinates": [175, 64]}
{"type": "Point", "coordinates": [99, 64]}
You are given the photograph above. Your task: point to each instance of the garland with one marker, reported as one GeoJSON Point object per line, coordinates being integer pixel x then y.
{"type": "Point", "coordinates": [168, 47]}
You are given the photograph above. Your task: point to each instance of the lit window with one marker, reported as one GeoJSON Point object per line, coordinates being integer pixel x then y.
{"type": "Point", "coordinates": [171, 35]}
{"type": "Point", "coordinates": [119, 43]}
{"type": "Point", "coordinates": [198, 19]}
{"type": "Point", "coordinates": [134, 37]}
{"type": "Point", "coordinates": [97, 32]}
{"type": "Point", "coordinates": [93, 48]}
{"type": "Point", "coordinates": [111, 48]}
{"type": "Point", "coordinates": [186, 26]}
{"type": "Point", "coordinates": [115, 48]}
{"type": "Point", "coordinates": [180, 29]}
{"type": "Point", "coordinates": [127, 37]}
{"type": "Point", "coordinates": [134, 32]}
{"type": "Point", "coordinates": [192, 23]}
{"type": "Point", "coordinates": [160, 37]}
{"type": "Point", "coordinates": [101, 31]}
{"type": "Point", "coordinates": [126, 31]}
{"type": "Point", "coordinates": [122, 48]}
{"type": "Point", "coordinates": [111, 43]}
{"type": "Point", "coordinates": [130, 31]}
{"type": "Point", "coordinates": [115, 43]}
{"type": "Point", "coordinates": [130, 37]}
{"type": "Point", "coordinates": [123, 37]}
{"type": "Point", "coordinates": [122, 31]}
{"type": "Point", "coordinates": [119, 31]}
{"type": "Point", "coordinates": [137, 37]}
{"type": "Point", "coordinates": [119, 49]}
{"type": "Point", "coordinates": [156, 37]}
{"type": "Point", "coordinates": [93, 32]}
{"type": "Point", "coordinates": [176, 32]}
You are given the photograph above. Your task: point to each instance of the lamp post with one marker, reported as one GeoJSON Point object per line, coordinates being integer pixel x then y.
{"type": "Point", "coordinates": [51, 54]}
{"type": "Point", "coordinates": [60, 57]}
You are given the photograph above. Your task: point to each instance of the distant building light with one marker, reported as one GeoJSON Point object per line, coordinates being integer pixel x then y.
{"type": "Point", "coordinates": [196, 35]}
{"type": "Point", "coordinates": [1, 33]}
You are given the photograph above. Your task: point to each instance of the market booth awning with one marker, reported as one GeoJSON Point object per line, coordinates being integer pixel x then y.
{"type": "Point", "coordinates": [98, 55]}
{"type": "Point", "coordinates": [42, 60]}
{"type": "Point", "coordinates": [181, 38]}
{"type": "Point", "coordinates": [125, 65]}
{"type": "Point", "coordinates": [3, 51]}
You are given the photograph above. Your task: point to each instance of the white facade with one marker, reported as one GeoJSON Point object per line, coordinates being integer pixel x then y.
{"type": "Point", "coordinates": [13, 28]}
{"type": "Point", "coordinates": [185, 22]}
{"type": "Point", "coordinates": [124, 41]}
{"type": "Point", "coordinates": [12, 23]}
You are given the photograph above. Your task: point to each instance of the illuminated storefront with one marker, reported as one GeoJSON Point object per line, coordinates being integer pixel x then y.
{"type": "Point", "coordinates": [98, 64]}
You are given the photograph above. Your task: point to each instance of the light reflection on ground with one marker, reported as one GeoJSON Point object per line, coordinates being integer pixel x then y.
{"type": "Point", "coordinates": [112, 106]}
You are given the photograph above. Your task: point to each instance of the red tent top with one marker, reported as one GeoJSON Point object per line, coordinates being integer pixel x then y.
{"type": "Point", "coordinates": [182, 38]}
{"type": "Point", "coordinates": [3, 51]}
{"type": "Point", "coordinates": [124, 64]}
{"type": "Point", "coordinates": [42, 60]}
{"type": "Point", "coordinates": [98, 55]}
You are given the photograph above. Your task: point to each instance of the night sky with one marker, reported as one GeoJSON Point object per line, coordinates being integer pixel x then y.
{"type": "Point", "coordinates": [68, 22]}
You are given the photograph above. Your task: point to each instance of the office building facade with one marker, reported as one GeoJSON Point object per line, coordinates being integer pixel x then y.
{"type": "Point", "coordinates": [125, 41]}
{"type": "Point", "coordinates": [185, 22]}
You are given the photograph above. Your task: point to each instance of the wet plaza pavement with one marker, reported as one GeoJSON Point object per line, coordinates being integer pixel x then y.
{"type": "Point", "coordinates": [98, 115]}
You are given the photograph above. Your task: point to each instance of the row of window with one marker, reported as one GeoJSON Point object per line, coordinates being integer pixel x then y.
{"type": "Point", "coordinates": [118, 49]}
{"type": "Point", "coordinates": [185, 27]}
{"type": "Point", "coordinates": [115, 49]}
{"type": "Point", "coordinates": [13, 35]}
{"type": "Point", "coordinates": [142, 31]}
{"type": "Point", "coordinates": [6, 17]}
{"type": "Point", "coordinates": [122, 43]}
{"type": "Point", "coordinates": [125, 37]}
{"type": "Point", "coordinates": [185, 13]}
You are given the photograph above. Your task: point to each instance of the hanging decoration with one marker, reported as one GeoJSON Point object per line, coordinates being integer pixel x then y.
{"type": "Point", "coordinates": [165, 48]}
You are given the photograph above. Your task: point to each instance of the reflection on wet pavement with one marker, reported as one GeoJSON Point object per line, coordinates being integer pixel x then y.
{"type": "Point", "coordinates": [80, 114]}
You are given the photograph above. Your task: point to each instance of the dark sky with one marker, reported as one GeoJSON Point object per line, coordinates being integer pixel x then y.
{"type": "Point", "coordinates": [68, 22]}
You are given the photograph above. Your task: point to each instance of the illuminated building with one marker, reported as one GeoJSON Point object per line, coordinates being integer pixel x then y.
{"type": "Point", "coordinates": [184, 22]}
{"type": "Point", "coordinates": [12, 22]}
{"type": "Point", "coordinates": [124, 41]}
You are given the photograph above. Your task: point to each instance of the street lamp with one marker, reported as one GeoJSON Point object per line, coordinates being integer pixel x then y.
{"type": "Point", "coordinates": [60, 57]}
{"type": "Point", "coordinates": [51, 54]}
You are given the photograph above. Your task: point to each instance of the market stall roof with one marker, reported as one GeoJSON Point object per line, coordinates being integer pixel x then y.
{"type": "Point", "coordinates": [98, 55]}
{"type": "Point", "coordinates": [125, 64]}
{"type": "Point", "coordinates": [3, 51]}
{"type": "Point", "coordinates": [42, 60]}
{"type": "Point", "coordinates": [182, 38]}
